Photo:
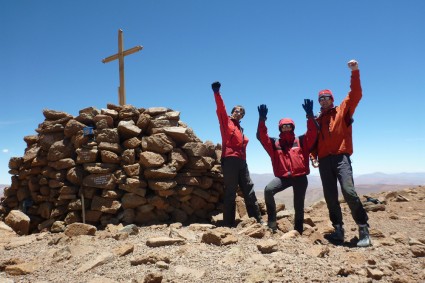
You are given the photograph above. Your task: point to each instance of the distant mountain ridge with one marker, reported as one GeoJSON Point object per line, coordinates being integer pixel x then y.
{"type": "Point", "coordinates": [378, 178]}
{"type": "Point", "coordinates": [410, 179]}
{"type": "Point", "coordinates": [365, 184]}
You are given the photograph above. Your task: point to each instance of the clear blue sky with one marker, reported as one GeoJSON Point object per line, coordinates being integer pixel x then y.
{"type": "Point", "coordinates": [263, 52]}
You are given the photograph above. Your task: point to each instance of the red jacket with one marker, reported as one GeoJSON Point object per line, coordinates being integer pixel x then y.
{"type": "Point", "coordinates": [234, 142]}
{"type": "Point", "coordinates": [335, 135]}
{"type": "Point", "coordinates": [289, 156]}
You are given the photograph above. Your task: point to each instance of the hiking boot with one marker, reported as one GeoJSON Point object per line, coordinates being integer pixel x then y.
{"type": "Point", "coordinates": [337, 235]}
{"type": "Point", "coordinates": [299, 226]}
{"type": "Point", "coordinates": [299, 229]}
{"type": "Point", "coordinates": [254, 211]}
{"type": "Point", "coordinates": [364, 238]}
{"type": "Point", "coordinates": [272, 225]}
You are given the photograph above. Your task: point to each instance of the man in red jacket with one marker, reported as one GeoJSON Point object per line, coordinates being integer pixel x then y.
{"type": "Point", "coordinates": [233, 161]}
{"type": "Point", "coordinates": [334, 147]}
{"type": "Point", "coordinates": [289, 155]}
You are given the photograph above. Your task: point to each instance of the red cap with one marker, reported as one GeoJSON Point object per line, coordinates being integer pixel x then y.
{"type": "Point", "coordinates": [286, 121]}
{"type": "Point", "coordinates": [326, 92]}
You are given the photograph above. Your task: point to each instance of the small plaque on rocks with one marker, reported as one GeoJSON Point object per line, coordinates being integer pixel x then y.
{"type": "Point", "coordinates": [102, 181]}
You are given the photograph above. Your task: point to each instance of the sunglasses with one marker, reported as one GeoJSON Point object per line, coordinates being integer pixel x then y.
{"type": "Point", "coordinates": [324, 98]}
{"type": "Point", "coordinates": [287, 126]}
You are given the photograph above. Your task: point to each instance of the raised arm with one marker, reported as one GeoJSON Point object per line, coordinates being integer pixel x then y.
{"type": "Point", "coordinates": [262, 134]}
{"type": "Point", "coordinates": [351, 101]}
{"type": "Point", "coordinates": [223, 118]}
{"type": "Point", "coordinates": [310, 136]}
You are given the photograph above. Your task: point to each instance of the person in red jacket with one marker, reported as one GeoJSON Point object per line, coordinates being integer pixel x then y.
{"type": "Point", "coordinates": [290, 160]}
{"type": "Point", "coordinates": [233, 161]}
{"type": "Point", "coordinates": [334, 148]}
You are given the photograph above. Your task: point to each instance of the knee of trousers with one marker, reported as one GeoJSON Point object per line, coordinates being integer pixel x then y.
{"type": "Point", "coordinates": [268, 195]}
{"type": "Point", "coordinates": [354, 201]}
{"type": "Point", "coordinates": [269, 191]}
{"type": "Point", "coordinates": [350, 194]}
{"type": "Point", "coordinates": [333, 204]}
{"type": "Point", "coordinates": [229, 193]}
{"type": "Point", "coordinates": [251, 201]}
{"type": "Point", "coordinates": [229, 200]}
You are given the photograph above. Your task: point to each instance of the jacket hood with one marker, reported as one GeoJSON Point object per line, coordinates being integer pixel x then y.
{"type": "Point", "coordinates": [286, 121]}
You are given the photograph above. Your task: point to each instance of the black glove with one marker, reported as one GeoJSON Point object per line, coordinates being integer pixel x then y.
{"type": "Point", "coordinates": [216, 86]}
{"type": "Point", "coordinates": [308, 107]}
{"type": "Point", "coordinates": [262, 111]}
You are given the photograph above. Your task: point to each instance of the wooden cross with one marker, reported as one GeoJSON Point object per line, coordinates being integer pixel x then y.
{"type": "Point", "coordinates": [120, 56]}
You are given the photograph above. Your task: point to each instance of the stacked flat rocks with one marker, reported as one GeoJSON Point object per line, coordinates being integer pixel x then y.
{"type": "Point", "coordinates": [140, 166]}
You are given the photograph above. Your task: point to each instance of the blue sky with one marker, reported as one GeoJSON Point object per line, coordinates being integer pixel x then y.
{"type": "Point", "coordinates": [263, 52]}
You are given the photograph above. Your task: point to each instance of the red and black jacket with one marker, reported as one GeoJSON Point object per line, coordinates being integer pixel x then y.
{"type": "Point", "coordinates": [289, 156]}
{"type": "Point", "coordinates": [234, 142]}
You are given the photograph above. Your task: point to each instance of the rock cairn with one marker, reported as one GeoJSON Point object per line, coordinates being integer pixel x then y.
{"type": "Point", "coordinates": [140, 166]}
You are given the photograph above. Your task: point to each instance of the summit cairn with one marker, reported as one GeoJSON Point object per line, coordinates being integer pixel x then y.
{"type": "Point", "coordinates": [116, 165]}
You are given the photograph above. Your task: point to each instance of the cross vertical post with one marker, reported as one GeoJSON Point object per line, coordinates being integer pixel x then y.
{"type": "Point", "coordinates": [120, 56]}
{"type": "Point", "coordinates": [121, 68]}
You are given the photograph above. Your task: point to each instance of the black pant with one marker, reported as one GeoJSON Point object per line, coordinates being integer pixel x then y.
{"type": "Point", "coordinates": [235, 172]}
{"type": "Point", "coordinates": [299, 185]}
{"type": "Point", "coordinates": [335, 168]}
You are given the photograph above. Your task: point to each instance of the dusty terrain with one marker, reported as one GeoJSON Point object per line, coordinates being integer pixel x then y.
{"type": "Point", "coordinates": [248, 253]}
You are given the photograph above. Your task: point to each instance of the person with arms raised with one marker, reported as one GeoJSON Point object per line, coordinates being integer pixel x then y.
{"type": "Point", "coordinates": [290, 160]}
{"type": "Point", "coordinates": [334, 148]}
{"type": "Point", "coordinates": [233, 161]}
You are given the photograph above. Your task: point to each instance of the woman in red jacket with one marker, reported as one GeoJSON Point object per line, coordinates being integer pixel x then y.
{"type": "Point", "coordinates": [290, 156]}
{"type": "Point", "coordinates": [233, 161]}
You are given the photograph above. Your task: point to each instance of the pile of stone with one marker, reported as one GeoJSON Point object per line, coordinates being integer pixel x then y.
{"type": "Point", "coordinates": [138, 166]}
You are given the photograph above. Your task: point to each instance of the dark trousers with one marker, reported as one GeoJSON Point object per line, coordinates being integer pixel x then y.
{"type": "Point", "coordinates": [299, 185]}
{"type": "Point", "coordinates": [335, 168]}
{"type": "Point", "coordinates": [235, 172]}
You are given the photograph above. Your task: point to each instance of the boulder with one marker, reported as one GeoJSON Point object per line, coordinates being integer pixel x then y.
{"type": "Point", "coordinates": [18, 221]}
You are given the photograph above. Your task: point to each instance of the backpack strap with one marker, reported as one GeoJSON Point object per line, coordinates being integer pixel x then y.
{"type": "Point", "coordinates": [297, 142]}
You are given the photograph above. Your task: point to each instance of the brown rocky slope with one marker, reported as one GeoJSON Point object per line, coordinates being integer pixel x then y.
{"type": "Point", "coordinates": [247, 253]}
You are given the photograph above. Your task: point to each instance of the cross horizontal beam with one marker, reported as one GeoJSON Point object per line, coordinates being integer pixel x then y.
{"type": "Point", "coordinates": [125, 53]}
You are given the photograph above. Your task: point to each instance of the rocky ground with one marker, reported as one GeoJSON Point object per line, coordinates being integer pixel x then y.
{"type": "Point", "coordinates": [248, 253]}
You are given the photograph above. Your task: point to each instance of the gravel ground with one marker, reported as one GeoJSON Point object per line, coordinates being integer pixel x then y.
{"type": "Point", "coordinates": [397, 254]}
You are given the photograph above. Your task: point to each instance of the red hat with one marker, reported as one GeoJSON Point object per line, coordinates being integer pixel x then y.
{"type": "Point", "coordinates": [326, 92]}
{"type": "Point", "coordinates": [286, 121]}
